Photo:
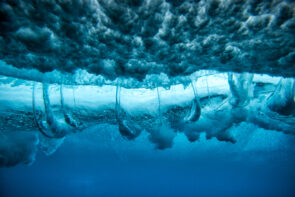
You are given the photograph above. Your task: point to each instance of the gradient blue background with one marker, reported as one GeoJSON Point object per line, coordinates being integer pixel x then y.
{"type": "Point", "coordinates": [98, 162]}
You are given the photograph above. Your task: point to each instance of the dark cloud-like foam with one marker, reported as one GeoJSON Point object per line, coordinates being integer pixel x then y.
{"type": "Point", "coordinates": [17, 147]}
{"type": "Point", "coordinates": [162, 136]}
{"type": "Point", "coordinates": [139, 37]}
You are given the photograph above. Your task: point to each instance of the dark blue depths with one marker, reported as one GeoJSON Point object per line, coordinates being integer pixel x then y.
{"type": "Point", "coordinates": [98, 162]}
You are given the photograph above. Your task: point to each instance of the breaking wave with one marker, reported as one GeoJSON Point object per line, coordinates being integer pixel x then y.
{"type": "Point", "coordinates": [211, 104]}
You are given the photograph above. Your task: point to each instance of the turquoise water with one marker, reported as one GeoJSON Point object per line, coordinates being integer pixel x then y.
{"type": "Point", "coordinates": [147, 98]}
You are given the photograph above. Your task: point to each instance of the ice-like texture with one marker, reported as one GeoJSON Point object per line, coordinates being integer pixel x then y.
{"type": "Point", "coordinates": [147, 98]}
{"type": "Point", "coordinates": [154, 68]}
{"type": "Point", "coordinates": [211, 106]}
{"type": "Point", "coordinates": [134, 38]}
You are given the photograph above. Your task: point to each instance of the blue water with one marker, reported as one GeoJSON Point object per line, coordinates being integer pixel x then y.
{"type": "Point", "coordinates": [143, 46]}
{"type": "Point", "coordinates": [98, 162]}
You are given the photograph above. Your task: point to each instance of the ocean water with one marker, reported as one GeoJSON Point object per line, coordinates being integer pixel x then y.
{"type": "Point", "coordinates": [132, 98]}
{"type": "Point", "coordinates": [98, 162]}
{"type": "Point", "coordinates": [232, 149]}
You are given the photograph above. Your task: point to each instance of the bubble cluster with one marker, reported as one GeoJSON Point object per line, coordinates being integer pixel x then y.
{"type": "Point", "coordinates": [133, 38]}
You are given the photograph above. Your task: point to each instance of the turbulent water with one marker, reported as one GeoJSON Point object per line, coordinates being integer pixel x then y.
{"type": "Point", "coordinates": [147, 98]}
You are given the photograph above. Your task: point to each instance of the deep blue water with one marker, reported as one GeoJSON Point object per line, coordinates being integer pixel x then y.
{"type": "Point", "coordinates": [93, 48]}
{"type": "Point", "coordinates": [90, 164]}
